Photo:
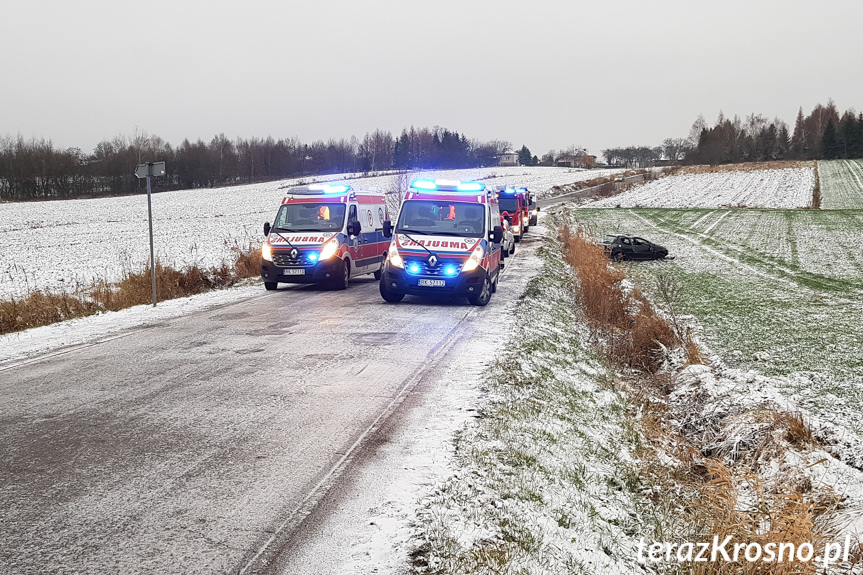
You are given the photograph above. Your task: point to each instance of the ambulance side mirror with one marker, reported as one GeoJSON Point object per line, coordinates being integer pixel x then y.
{"type": "Point", "coordinates": [496, 234]}
{"type": "Point", "coordinates": [354, 228]}
{"type": "Point", "coordinates": [388, 229]}
{"type": "Point", "coordinates": [266, 228]}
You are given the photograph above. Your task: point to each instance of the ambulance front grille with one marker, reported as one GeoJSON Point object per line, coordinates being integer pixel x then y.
{"type": "Point", "coordinates": [285, 261]}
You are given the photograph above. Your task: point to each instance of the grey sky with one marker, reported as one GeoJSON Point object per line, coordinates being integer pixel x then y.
{"type": "Point", "coordinates": [548, 74]}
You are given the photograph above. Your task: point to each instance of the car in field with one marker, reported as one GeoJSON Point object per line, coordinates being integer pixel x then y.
{"type": "Point", "coordinates": [621, 247]}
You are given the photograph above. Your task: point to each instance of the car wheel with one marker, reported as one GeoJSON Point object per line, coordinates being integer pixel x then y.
{"type": "Point", "coordinates": [379, 273]}
{"type": "Point", "coordinates": [271, 285]}
{"type": "Point", "coordinates": [343, 276]}
{"type": "Point", "coordinates": [389, 294]}
{"type": "Point", "coordinates": [617, 256]}
{"type": "Point", "coordinates": [484, 295]}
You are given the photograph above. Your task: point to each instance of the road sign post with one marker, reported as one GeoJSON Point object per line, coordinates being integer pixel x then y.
{"type": "Point", "coordinates": [149, 170]}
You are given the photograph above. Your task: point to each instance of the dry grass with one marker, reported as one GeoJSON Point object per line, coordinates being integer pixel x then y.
{"type": "Point", "coordinates": [634, 334]}
{"type": "Point", "coordinates": [39, 308]}
{"type": "Point", "coordinates": [709, 477]}
{"type": "Point", "coordinates": [816, 190]}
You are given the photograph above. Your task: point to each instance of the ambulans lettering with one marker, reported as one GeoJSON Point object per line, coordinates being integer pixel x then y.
{"type": "Point", "coordinates": [439, 244]}
{"type": "Point", "coordinates": [298, 239]}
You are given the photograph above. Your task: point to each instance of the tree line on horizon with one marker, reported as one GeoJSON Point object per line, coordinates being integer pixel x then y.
{"type": "Point", "coordinates": [35, 170]}
{"type": "Point", "coordinates": [822, 135]}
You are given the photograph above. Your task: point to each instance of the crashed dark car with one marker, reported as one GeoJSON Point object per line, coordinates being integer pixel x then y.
{"type": "Point", "coordinates": [620, 247]}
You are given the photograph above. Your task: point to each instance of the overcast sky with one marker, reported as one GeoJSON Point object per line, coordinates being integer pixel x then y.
{"type": "Point", "coordinates": [546, 74]}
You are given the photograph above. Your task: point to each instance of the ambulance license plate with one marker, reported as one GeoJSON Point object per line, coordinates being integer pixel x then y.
{"type": "Point", "coordinates": [432, 283]}
{"type": "Point", "coordinates": [294, 272]}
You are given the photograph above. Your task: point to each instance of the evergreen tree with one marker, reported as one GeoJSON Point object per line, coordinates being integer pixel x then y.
{"type": "Point", "coordinates": [798, 138]}
{"type": "Point", "coordinates": [830, 142]}
{"type": "Point", "coordinates": [524, 156]}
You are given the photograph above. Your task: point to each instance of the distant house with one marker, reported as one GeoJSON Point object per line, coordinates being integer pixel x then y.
{"type": "Point", "coordinates": [580, 159]}
{"type": "Point", "coordinates": [508, 159]}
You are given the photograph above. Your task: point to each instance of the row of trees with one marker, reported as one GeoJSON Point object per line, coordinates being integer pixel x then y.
{"type": "Point", "coordinates": [36, 170]}
{"type": "Point", "coordinates": [822, 135]}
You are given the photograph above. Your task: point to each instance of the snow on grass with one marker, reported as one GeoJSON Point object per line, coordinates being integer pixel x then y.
{"type": "Point", "coordinates": [545, 481]}
{"type": "Point", "coordinates": [768, 321]}
{"type": "Point", "coordinates": [779, 188]}
{"type": "Point", "coordinates": [59, 246]}
{"type": "Point", "coordinates": [841, 184]}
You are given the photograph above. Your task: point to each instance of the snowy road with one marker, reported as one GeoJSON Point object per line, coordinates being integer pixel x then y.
{"type": "Point", "coordinates": [197, 444]}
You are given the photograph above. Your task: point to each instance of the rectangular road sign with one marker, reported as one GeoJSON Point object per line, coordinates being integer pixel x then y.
{"type": "Point", "coordinates": [150, 169]}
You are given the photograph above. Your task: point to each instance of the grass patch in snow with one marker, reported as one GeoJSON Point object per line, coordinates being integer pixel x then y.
{"type": "Point", "coordinates": [544, 480]}
{"type": "Point", "coordinates": [723, 464]}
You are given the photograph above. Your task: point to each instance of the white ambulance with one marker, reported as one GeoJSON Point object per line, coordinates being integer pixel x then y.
{"type": "Point", "coordinates": [446, 242]}
{"type": "Point", "coordinates": [325, 233]}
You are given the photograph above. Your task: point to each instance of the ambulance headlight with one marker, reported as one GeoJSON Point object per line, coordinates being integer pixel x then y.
{"type": "Point", "coordinates": [515, 229]}
{"type": "Point", "coordinates": [395, 258]}
{"type": "Point", "coordinates": [267, 252]}
{"type": "Point", "coordinates": [474, 260]}
{"type": "Point", "coordinates": [330, 249]}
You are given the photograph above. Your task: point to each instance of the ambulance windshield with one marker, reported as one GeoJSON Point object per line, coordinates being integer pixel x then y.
{"type": "Point", "coordinates": [310, 217]}
{"type": "Point", "coordinates": [441, 218]}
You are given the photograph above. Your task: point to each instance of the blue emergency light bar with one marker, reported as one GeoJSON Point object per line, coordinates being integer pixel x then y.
{"type": "Point", "coordinates": [336, 189]}
{"type": "Point", "coordinates": [314, 189]}
{"type": "Point", "coordinates": [424, 185]}
{"type": "Point", "coordinates": [443, 185]}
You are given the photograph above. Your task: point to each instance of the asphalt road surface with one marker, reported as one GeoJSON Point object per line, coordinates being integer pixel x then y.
{"type": "Point", "coordinates": [198, 444]}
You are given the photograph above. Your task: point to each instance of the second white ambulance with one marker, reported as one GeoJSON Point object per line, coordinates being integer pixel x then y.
{"type": "Point", "coordinates": [446, 242]}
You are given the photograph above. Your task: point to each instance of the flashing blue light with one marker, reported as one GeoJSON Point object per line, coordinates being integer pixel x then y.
{"type": "Point", "coordinates": [336, 189]}
{"type": "Point", "coordinates": [313, 257]}
{"type": "Point", "coordinates": [509, 191]}
{"type": "Point", "coordinates": [470, 187]}
{"type": "Point", "coordinates": [450, 270]}
{"type": "Point", "coordinates": [424, 185]}
{"type": "Point", "coordinates": [521, 190]}
{"type": "Point", "coordinates": [414, 268]}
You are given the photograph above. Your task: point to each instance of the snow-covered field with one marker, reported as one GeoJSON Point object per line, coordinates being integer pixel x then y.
{"type": "Point", "coordinates": [62, 245]}
{"type": "Point", "coordinates": [540, 481]}
{"type": "Point", "coordinates": [783, 188]}
{"type": "Point", "coordinates": [841, 184]}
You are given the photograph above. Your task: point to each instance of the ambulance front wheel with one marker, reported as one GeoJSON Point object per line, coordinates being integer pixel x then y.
{"type": "Point", "coordinates": [389, 294]}
{"type": "Point", "coordinates": [483, 296]}
{"type": "Point", "coordinates": [271, 285]}
{"type": "Point", "coordinates": [343, 276]}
